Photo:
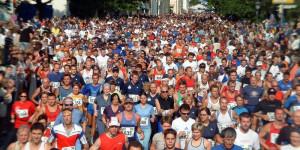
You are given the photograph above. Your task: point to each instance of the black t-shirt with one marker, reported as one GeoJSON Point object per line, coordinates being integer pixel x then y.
{"type": "Point", "coordinates": [25, 35]}
{"type": "Point", "coordinates": [267, 106]}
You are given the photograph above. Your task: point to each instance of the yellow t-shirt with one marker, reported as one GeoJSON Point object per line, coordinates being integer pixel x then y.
{"type": "Point", "coordinates": [77, 101]}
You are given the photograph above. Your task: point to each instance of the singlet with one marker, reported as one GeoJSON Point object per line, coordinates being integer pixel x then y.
{"type": "Point", "coordinates": [205, 86]}
{"type": "Point", "coordinates": [151, 101]}
{"type": "Point", "coordinates": [41, 91]}
{"type": "Point", "coordinates": [51, 115]}
{"type": "Point", "coordinates": [179, 101]}
{"type": "Point", "coordinates": [273, 135]}
{"type": "Point", "coordinates": [77, 100]}
{"type": "Point", "coordinates": [17, 147]}
{"type": "Point", "coordinates": [42, 147]}
{"type": "Point", "coordinates": [172, 82]}
{"type": "Point", "coordinates": [63, 93]}
{"type": "Point", "coordinates": [231, 99]}
{"type": "Point", "coordinates": [200, 147]}
{"type": "Point", "coordinates": [157, 77]}
{"type": "Point", "coordinates": [129, 127]}
{"type": "Point", "coordinates": [178, 50]}
{"type": "Point", "coordinates": [224, 121]}
{"type": "Point", "coordinates": [87, 76]}
{"type": "Point", "coordinates": [112, 143]}
{"type": "Point", "coordinates": [44, 74]}
{"type": "Point", "coordinates": [213, 107]}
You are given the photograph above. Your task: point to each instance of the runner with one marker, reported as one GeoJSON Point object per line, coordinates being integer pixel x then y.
{"type": "Point", "coordinates": [197, 141]}
{"type": "Point", "coordinates": [37, 130]}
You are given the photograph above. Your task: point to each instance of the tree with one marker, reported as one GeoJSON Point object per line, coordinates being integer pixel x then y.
{"type": "Point", "coordinates": [194, 2]}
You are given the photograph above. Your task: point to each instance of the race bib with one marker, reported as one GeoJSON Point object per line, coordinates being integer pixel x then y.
{"type": "Point", "coordinates": [296, 108]}
{"type": "Point", "coordinates": [246, 147]}
{"type": "Point", "coordinates": [134, 97]}
{"type": "Point", "coordinates": [44, 139]}
{"type": "Point", "coordinates": [180, 103]}
{"type": "Point", "coordinates": [144, 121]}
{"type": "Point", "coordinates": [118, 88]}
{"type": "Point", "coordinates": [231, 105]}
{"type": "Point", "coordinates": [222, 127]}
{"type": "Point", "coordinates": [55, 84]}
{"type": "Point", "coordinates": [22, 113]}
{"type": "Point", "coordinates": [86, 80]}
{"type": "Point", "coordinates": [212, 142]}
{"type": "Point", "coordinates": [179, 50]}
{"type": "Point", "coordinates": [187, 134]}
{"type": "Point", "coordinates": [128, 131]}
{"type": "Point", "coordinates": [274, 137]}
{"type": "Point", "coordinates": [68, 148]}
{"type": "Point", "coordinates": [102, 110]}
{"type": "Point", "coordinates": [158, 77]}
{"type": "Point", "coordinates": [51, 124]}
{"type": "Point", "coordinates": [191, 89]}
{"type": "Point", "coordinates": [271, 116]}
{"type": "Point", "coordinates": [155, 111]}
{"type": "Point", "coordinates": [165, 112]}
{"type": "Point", "coordinates": [91, 99]}
{"type": "Point", "coordinates": [77, 101]}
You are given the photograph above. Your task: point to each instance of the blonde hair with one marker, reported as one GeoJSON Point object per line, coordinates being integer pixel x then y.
{"type": "Point", "coordinates": [197, 126]}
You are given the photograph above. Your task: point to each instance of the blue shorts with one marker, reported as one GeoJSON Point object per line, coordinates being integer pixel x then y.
{"type": "Point", "coordinates": [90, 108]}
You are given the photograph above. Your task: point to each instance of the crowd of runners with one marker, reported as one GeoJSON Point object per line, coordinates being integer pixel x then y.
{"type": "Point", "coordinates": [191, 81]}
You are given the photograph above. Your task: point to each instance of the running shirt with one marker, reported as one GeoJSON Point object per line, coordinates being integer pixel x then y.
{"type": "Point", "coordinates": [22, 112]}
{"type": "Point", "coordinates": [27, 146]}
{"type": "Point", "coordinates": [91, 92]}
{"type": "Point", "coordinates": [129, 127]}
{"type": "Point", "coordinates": [51, 115]}
{"type": "Point", "coordinates": [179, 125]}
{"type": "Point", "coordinates": [199, 147]}
{"type": "Point", "coordinates": [273, 135]}
{"type": "Point", "coordinates": [87, 77]}
{"type": "Point", "coordinates": [77, 100]}
{"type": "Point", "coordinates": [213, 107]}
{"type": "Point", "coordinates": [247, 141]}
{"type": "Point", "coordinates": [157, 77]}
{"type": "Point", "coordinates": [151, 101]}
{"type": "Point", "coordinates": [116, 143]}
{"type": "Point", "coordinates": [66, 140]}
{"type": "Point", "coordinates": [224, 120]}
{"type": "Point", "coordinates": [46, 135]}
{"type": "Point", "coordinates": [145, 113]}
{"type": "Point", "coordinates": [63, 93]}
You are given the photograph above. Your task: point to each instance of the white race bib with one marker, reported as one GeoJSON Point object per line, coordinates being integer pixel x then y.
{"type": "Point", "coordinates": [55, 84]}
{"type": "Point", "coordinates": [155, 110]}
{"type": "Point", "coordinates": [274, 137]}
{"type": "Point", "coordinates": [158, 77]}
{"type": "Point", "coordinates": [118, 88]}
{"type": "Point", "coordinates": [22, 113]}
{"type": "Point", "coordinates": [165, 112]}
{"type": "Point", "coordinates": [191, 89]}
{"type": "Point", "coordinates": [296, 108]}
{"type": "Point", "coordinates": [187, 134]}
{"type": "Point", "coordinates": [68, 148]}
{"type": "Point", "coordinates": [44, 139]}
{"type": "Point", "coordinates": [91, 99]}
{"type": "Point", "coordinates": [231, 105]}
{"type": "Point", "coordinates": [144, 121]}
{"type": "Point", "coordinates": [102, 110]}
{"type": "Point", "coordinates": [134, 97]}
{"type": "Point", "coordinates": [128, 131]}
{"type": "Point", "coordinates": [179, 50]}
{"type": "Point", "coordinates": [222, 127]}
{"type": "Point", "coordinates": [77, 101]}
{"type": "Point", "coordinates": [271, 116]}
{"type": "Point", "coordinates": [51, 124]}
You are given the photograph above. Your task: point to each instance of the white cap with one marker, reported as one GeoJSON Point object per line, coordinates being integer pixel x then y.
{"type": "Point", "coordinates": [259, 63]}
{"type": "Point", "coordinates": [114, 121]}
{"type": "Point", "coordinates": [55, 59]}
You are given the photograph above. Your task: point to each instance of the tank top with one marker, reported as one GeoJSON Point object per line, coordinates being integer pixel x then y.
{"type": "Point", "coordinates": [203, 86]}
{"type": "Point", "coordinates": [42, 147]}
{"type": "Point", "coordinates": [224, 121]}
{"type": "Point", "coordinates": [87, 76]}
{"type": "Point", "coordinates": [179, 102]}
{"type": "Point", "coordinates": [178, 50]}
{"type": "Point", "coordinates": [52, 115]}
{"type": "Point", "coordinates": [213, 107]}
{"type": "Point", "coordinates": [129, 127]}
{"type": "Point", "coordinates": [112, 143]}
{"type": "Point", "coordinates": [200, 147]}
{"type": "Point", "coordinates": [63, 93]}
{"type": "Point", "coordinates": [172, 82]}
{"type": "Point", "coordinates": [151, 101]}
{"type": "Point", "coordinates": [273, 135]}
{"type": "Point", "coordinates": [77, 100]}
{"type": "Point", "coordinates": [157, 77]}
{"type": "Point", "coordinates": [17, 147]}
{"type": "Point", "coordinates": [231, 99]}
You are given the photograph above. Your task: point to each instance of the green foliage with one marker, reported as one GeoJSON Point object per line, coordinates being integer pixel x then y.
{"type": "Point", "coordinates": [194, 2]}
{"type": "Point", "coordinates": [293, 14]}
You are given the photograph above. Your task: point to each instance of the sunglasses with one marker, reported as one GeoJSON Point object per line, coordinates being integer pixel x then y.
{"type": "Point", "coordinates": [164, 91]}
{"type": "Point", "coordinates": [185, 114]}
{"type": "Point", "coordinates": [203, 115]}
{"type": "Point", "coordinates": [68, 105]}
{"type": "Point", "coordinates": [23, 96]}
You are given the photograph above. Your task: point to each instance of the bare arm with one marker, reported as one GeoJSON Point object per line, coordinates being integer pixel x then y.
{"type": "Point", "coordinates": [96, 145]}
{"type": "Point", "coordinates": [207, 144]}
{"type": "Point", "coordinates": [187, 143]}
{"type": "Point", "coordinates": [213, 116]}
{"type": "Point", "coordinates": [126, 142]}
{"type": "Point", "coordinates": [86, 146]}
{"type": "Point", "coordinates": [262, 134]}
{"type": "Point", "coordinates": [36, 92]}
{"type": "Point", "coordinates": [159, 110]}
{"type": "Point", "coordinates": [204, 103]}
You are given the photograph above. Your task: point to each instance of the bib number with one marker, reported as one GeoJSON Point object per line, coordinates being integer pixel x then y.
{"type": "Point", "coordinates": [158, 77]}
{"type": "Point", "coordinates": [44, 139]}
{"type": "Point", "coordinates": [155, 111]}
{"type": "Point", "coordinates": [102, 110]}
{"type": "Point", "coordinates": [296, 108]}
{"type": "Point", "coordinates": [55, 84]}
{"type": "Point", "coordinates": [187, 134]}
{"type": "Point", "coordinates": [69, 148]}
{"type": "Point", "coordinates": [134, 97]}
{"type": "Point", "coordinates": [271, 116]}
{"type": "Point", "coordinates": [191, 89]}
{"type": "Point", "coordinates": [231, 105]}
{"type": "Point", "coordinates": [179, 50]}
{"type": "Point", "coordinates": [128, 131]}
{"type": "Point", "coordinates": [92, 99]}
{"type": "Point", "coordinates": [222, 127]}
{"type": "Point", "coordinates": [274, 137]}
{"type": "Point", "coordinates": [22, 113]}
{"type": "Point", "coordinates": [144, 121]}
{"type": "Point", "coordinates": [78, 101]}
{"type": "Point", "coordinates": [118, 88]}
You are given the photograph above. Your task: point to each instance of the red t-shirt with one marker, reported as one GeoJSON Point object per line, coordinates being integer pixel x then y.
{"type": "Point", "coordinates": [112, 143]}
{"type": "Point", "coordinates": [189, 82]}
{"type": "Point", "coordinates": [22, 112]}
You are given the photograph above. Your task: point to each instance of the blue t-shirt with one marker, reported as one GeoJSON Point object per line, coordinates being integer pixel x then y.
{"type": "Point", "coordinates": [55, 77]}
{"type": "Point", "coordinates": [143, 78]}
{"type": "Point", "coordinates": [211, 130]}
{"type": "Point", "coordinates": [252, 94]}
{"type": "Point", "coordinates": [241, 110]}
{"type": "Point", "coordinates": [221, 147]}
{"type": "Point", "coordinates": [283, 86]}
{"type": "Point", "coordinates": [145, 113]}
{"type": "Point", "coordinates": [78, 78]}
{"type": "Point", "coordinates": [119, 81]}
{"type": "Point", "coordinates": [130, 88]}
{"type": "Point", "coordinates": [78, 117]}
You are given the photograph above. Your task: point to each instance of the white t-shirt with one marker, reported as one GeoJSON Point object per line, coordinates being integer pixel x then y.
{"type": "Point", "coordinates": [247, 141]}
{"type": "Point", "coordinates": [102, 61]}
{"type": "Point", "coordinates": [241, 71]}
{"type": "Point", "coordinates": [179, 125]}
{"type": "Point", "coordinates": [192, 64]}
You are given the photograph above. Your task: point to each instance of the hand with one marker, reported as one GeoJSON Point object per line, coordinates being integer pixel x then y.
{"type": "Point", "coordinates": [246, 102]}
{"type": "Point", "coordinates": [161, 111]}
{"type": "Point", "coordinates": [265, 117]}
{"type": "Point", "coordinates": [12, 121]}
{"type": "Point", "coordinates": [152, 119]}
{"type": "Point", "coordinates": [96, 114]}
{"type": "Point", "coordinates": [181, 133]}
{"type": "Point", "coordinates": [142, 136]}
{"type": "Point", "coordinates": [170, 111]}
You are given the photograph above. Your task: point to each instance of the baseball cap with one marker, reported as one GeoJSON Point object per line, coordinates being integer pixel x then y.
{"type": "Point", "coordinates": [180, 58]}
{"type": "Point", "coordinates": [202, 65]}
{"type": "Point", "coordinates": [113, 121]}
{"type": "Point", "coordinates": [240, 54]}
{"type": "Point", "coordinates": [271, 91]}
{"type": "Point", "coordinates": [234, 62]}
{"type": "Point", "coordinates": [128, 100]}
{"type": "Point", "coordinates": [161, 52]}
{"type": "Point", "coordinates": [116, 69]}
{"type": "Point", "coordinates": [259, 63]}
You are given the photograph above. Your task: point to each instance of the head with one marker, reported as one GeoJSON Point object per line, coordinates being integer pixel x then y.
{"type": "Point", "coordinates": [128, 104]}
{"type": "Point", "coordinates": [51, 99]}
{"type": "Point", "coordinates": [68, 103]}
{"type": "Point", "coordinates": [204, 114]}
{"type": "Point", "coordinates": [164, 91]}
{"type": "Point", "coordinates": [153, 87]}
{"type": "Point", "coordinates": [228, 136]}
{"type": "Point", "coordinates": [23, 96]}
{"type": "Point", "coordinates": [67, 79]}
{"type": "Point", "coordinates": [231, 85]}
{"type": "Point", "coordinates": [43, 119]}
{"type": "Point", "coordinates": [245, 121]}
{"type": "Point", "coordinates": [188, 99]}
{"type": "Point", "coordinates": [37, 131]}
{"type": "Point", "coordinates": [143, 98]}
{"type": "Point", "coordinates": [223, 103]}
{"type": "Point", "coordinates": [295, 137]}
{"type": "Point", "coordinates": [67, 116]}
{"type": "Point", "coordinates": [114, 126]}
{"type": "Point", "coordinates": [115, 99]}
{"type": "Point", "coordinates": [184, 110]}
{"type": "Point", "coordinates": [214, 91]}
{"type": "Point", "coordinates": [166, 122]}
{"type": "Point", "coordinates": [46, 82]}
{"type": "Point", "coordinates": [106, 88]}
{"type": "Point", "coordinates": [23, 134]}
{"type": "Point", "coordinates": [197, 129]}
{"type": "Point", "coordinates": [170, 138]}
{"type": "Point", "coordinates": [239, 99]}
{"type": "Point", "coordinates": [134, 77]}
{"type": "Point", "coordinates": [279, 114]}
{"type": "Point", "coordinates": [135, 145]}
{"type": "Point", "coordinates": [253, 81]}
{"type": "Point", "coordinates": [95, 78]}
{"type": "Point", "coordinates": [76, 86]}
{"type": "Point", "coordinates": [189, 71]}
{"type": "Point", "coordinates": [271, 94]}
{"type": "Point", "coordinates": [296, 118]}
